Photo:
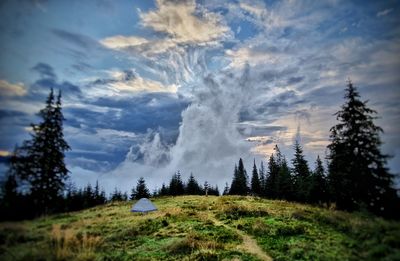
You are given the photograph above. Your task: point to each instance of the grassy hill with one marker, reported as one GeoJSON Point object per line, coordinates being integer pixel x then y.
{"type": "Point", "coordinates": [203, 228]}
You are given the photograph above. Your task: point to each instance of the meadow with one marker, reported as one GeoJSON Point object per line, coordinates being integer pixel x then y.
{"type": "Point", "coordinates": [203, 228]}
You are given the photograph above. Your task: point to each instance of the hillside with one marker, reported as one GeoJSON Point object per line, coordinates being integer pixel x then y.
{"type": "Point", "coordinates": [203, 228]}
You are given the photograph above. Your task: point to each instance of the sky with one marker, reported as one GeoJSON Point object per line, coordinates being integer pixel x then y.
{"type": "Point", "coordinates": [154, 87]}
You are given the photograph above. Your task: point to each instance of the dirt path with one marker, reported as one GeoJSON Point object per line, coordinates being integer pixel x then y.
{"type": "Point", "coordinates": [249, 245]}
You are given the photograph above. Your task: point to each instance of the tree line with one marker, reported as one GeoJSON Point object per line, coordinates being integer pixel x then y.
{"type": "Point", "coordinates": [356, 177]}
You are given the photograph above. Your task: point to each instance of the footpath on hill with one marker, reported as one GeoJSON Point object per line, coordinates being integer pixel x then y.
{"type": "Point", "coordinates": [249, 244]}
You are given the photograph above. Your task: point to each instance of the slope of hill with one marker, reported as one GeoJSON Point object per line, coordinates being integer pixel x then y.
{"type": "Point", "coordinates": [203, 228]}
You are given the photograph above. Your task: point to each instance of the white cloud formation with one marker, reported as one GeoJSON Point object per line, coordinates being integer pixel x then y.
{"type": "Point", "coordinates": [12, 89]}
{"type": "Point", "coordinates": [184, 24]}
{"type": "Point", "coordinates": [120, 41]}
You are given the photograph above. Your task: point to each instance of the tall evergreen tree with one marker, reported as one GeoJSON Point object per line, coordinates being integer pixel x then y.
{"type": "Point", "coordinates": [263, 178]}
{"type": "Point", "coordinates": [40, 161]}
{"type": "Point", "coordinates": [117, 195]}
{"type": "Point", "coordinates": [239, 182]}
{"type": "Point", "coordinates": [318, 188]}
{"type": "Point", "coordinates": [176, 186]}
{"type": "Point", "coordinates": [285, 183]}
{"type": "Point", "coordinates": [164, 191]}
{"type": "Point", "coordinates": [272, 181]}
{"type": "Point", "coordinates": [358, 174]}
{"type": "Point", "coordinates": [141, 189]}
{"type": "Point", "coordinates": [301, 174]}
{"type": "Point", "coordinates": [192, 187]}
{"type": "Point", "coordinates": [255, 181]}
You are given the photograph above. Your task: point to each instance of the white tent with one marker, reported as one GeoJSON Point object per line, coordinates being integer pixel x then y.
{"type": "Point", "coordinates": [143, 205]}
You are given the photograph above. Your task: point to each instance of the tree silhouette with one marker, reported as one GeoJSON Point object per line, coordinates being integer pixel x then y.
{"type": "Point", "coordinates": [239, 181]}
{"type": "Point", "coordinates": [141, 190]}
{"type": "Point", "coordinates": [358, 174]}
{"type": "Point", "coordinates": [193, 187]}
{"type": "Point", "coordinates": [285, 183]}
{"type": "Point", "coordinates": [40, 161]}
{"type": "Point", "coordinates": [255, 181]}
{"type": "Point", "coordinates": [301, 174]}
{"type": "Point", "coordinates": [318, 186]}
{"type": "Point", "coordinates": [176, 186]}
{"type": "Point", "coordinates": [272, 181]}
{"type": "Point", "coordinates": [263, 178]}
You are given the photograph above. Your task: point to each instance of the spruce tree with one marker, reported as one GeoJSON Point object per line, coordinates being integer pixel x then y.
{"type": "Point", "coordinates": [141, 189]}
{"type": "Point", "coordinates": [318, 186]}
{"type": "Point", "coordinates": [272, 182]}
{"type": "Point", "coordinates": [263, 178]}
{"type": "Point", "coordinates": [192, 187]}
{"type": "Point", "coordinates": [358, 176]}
{"type": "Point", "coordinates": [40, 161]}
{"type": "Point", "coordinates": [301, 174]}
{"type": "Point", "coordinates": [164, 191]}
{"type": "Point", "coordinates": [176, 186]}
{"type": "Point", "coordinates": [255, 181]}
{"type": "Point", "coordinates": [239, 182]}
{"type": "Point", "coordinates": [285, 184]}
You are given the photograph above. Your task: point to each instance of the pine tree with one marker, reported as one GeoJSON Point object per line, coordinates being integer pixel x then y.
{"type": "Point", "coordinates": [176, 186]}
{"type": "Point", "coordinates": [41, 159]}
{"type": "Point", "coordinates": [133, 194]}
{"type": "Point", "coordinates": [272, 182]}
{"type": "Point", "coordinates": [239, 182]}
{"type": "Point", "coordinates": [88, 196]}
{"type": "Point", "coordinates": [255, 181]}
{"type": "Point", "coordinates": [117, 195]}
{"type": "Point", "coordinates": [164, 191]}
{"type": "Point", "coordinates": [301, 174]}
{"type": "Point", "coordinates": [285, 183]}
{"type": "Point", "coordinates": [358, 175]}
{"type": "Point", "coordinates": [141, 189]}
{"type": "Point", "coordinates": [263, 178]}
{"type": "Point", "coordinates": [319, 188]}
{"type": "Point", "coordinates": [192, 187]}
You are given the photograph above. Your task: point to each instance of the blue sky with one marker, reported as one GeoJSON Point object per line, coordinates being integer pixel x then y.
{"type": "Point", "coordinates": [152, 87]}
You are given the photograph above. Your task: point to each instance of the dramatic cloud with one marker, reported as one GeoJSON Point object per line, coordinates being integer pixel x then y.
{"type": "Point", "coordinates": [194, 85]}
{"type": "Point", "coordinates": [184, 24]}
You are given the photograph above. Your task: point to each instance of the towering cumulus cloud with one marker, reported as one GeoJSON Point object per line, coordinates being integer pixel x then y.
{"type": "Point", "coordinates": [209, 141]}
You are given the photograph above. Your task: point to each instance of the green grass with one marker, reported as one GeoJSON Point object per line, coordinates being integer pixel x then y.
{"type": "Point", "coordinates": [185, 228]}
